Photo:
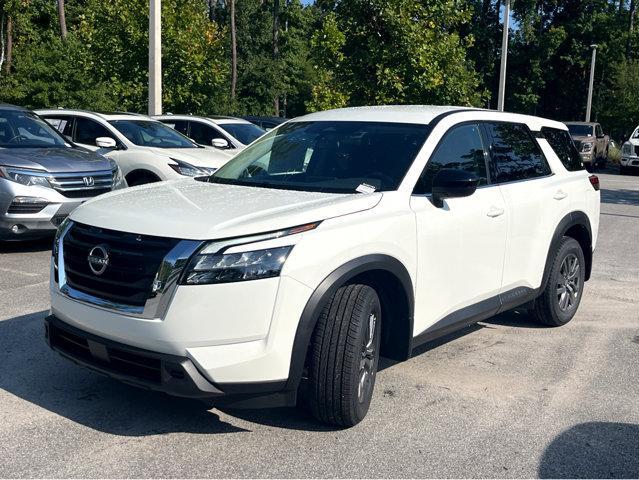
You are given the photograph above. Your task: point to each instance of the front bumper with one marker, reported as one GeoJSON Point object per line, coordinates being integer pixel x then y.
{"type": "Point", "coordinates": [171, 374]}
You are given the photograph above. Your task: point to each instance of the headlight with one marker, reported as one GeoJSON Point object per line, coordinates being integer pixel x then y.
{"type": "Point", "coordinates": [212, 264]}
{"type": "Point", "coordinates": [26, 177]}
{"type": "Point", "coordinates": [208, 171]}
{"type": "Point", "coordinates": [586, 146]}
{"type": "Point", "coordinates": [627, 149]}
{"type": "Point", "coordinates": [209, 267]}
{"type": "Point", "coordinates": [185, 169]}
{"type": "Point", "coordinates": [117, 173]}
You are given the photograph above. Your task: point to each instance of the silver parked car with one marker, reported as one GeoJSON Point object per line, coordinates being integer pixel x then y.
{"type": "Point", "coordinates": [43, 176]}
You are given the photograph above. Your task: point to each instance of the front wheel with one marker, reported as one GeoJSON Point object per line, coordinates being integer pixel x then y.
{"type": "Point", "coordinates": [344, 355]}
{"type": "Point", "coordinates": [558, 302]}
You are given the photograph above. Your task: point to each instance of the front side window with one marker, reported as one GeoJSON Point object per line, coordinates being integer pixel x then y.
{"type": "Point", "coordinates": [564, 147]}
{"type": "Point", "coordinates": [328, 156]}
{"type": "Point", "coordinates": [150, 133]}
{"type": "Point", "coordinates": [203, 134]}
{"type": "Point", "coordinates": [244, 132]}
{"type": "Point", "coordinates": [599, 131]}
{"type": "Point", "coordinates": [20, 129]}
{"type": "Point", "coordinates": [87, 130]}
{"type": "Point", "coordinates": [461, 148]}
{"type": "Point", "coordinates": [515, 154]}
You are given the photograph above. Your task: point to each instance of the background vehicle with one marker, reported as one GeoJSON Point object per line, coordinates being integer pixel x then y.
{"type": "Point", "coordinates": [145, 149]}
{"type": "Point", "coordinates": [630, 154]}
{"type": "Point", "coordinates": [218, 132]}
{"type": "Point", "coordinates": [591, 143]}
{"type": "Point", "coordinates": [265, 122]}
{"type": "Point", "coordinates": [353, 232]}
{"type": "Point", "coordinates": [43, 177]}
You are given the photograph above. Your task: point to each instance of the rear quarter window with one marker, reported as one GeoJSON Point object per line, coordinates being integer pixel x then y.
{"type": "Point", "coordinates": [562, 144]}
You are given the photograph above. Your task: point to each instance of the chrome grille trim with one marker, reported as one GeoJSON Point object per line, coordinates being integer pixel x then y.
{"type": "Point", "coordinates": [74, 182]}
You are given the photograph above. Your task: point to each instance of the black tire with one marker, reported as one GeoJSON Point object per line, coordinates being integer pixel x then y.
{"type": "Point", "coordinates": [559, 301]}
{"type": "Point", "coordinates": [623, 170]}
{"type": "Point", "coordinates": [343, 357]}
{"type": "Point", "coordinates": [141, 178]}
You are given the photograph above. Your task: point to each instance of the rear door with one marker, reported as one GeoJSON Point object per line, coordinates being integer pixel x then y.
{"type": "Point", "coordinates": [519, 167]}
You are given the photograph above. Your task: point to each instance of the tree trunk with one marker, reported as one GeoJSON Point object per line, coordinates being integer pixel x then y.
{"type": "Point", "coordinates": [276, 34]}
{"type": "Point", "coordinates": [233, 50]}
{"type": "Point", "coordinates": [9, 56]}
{"type": "Point", "coordinates": [62, 19]}
{"type": "Point", "coordinates": [631, 26]}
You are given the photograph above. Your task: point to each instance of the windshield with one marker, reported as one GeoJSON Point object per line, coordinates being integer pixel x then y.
{"type": "Point", "coordinates": [20, 129]}
{"type": "Point", "coordinates": [336, 157]}
{"type": "Point", "coordinates": [244, 132]}
{"type": "Point", "coordinates": [580, 130]}
{"type": "Point", "coordinates": [150, 133]}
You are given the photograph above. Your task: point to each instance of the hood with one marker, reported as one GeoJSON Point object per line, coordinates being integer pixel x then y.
{"type": "Point", "coordinates": [582, 138]}
{"type": "Point", "coordinates": [53, 160]}
{"type": "Point", "coordinates": [193, 210]}
{"type": "Point", "coordinates": [198, 157]}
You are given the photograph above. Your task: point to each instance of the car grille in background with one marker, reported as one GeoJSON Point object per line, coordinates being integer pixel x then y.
{"type": "Point", "coordinates": [26, 208]}
{"type": "Point", "coordinates": [116, 360]}
{"type": "Point", "coordinates": [133, 263]}
{"type": "Point", "coordinates": [82, 185]}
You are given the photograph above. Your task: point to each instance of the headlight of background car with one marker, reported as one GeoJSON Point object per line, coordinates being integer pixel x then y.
{"type": "Point", "coordinates": [210, 267]}
{"type": "Point", "coordinates": [117, 173]}
{"type": "Point", "coordinates": [26, 177]}
{"type": "Point", "coordinates": [586, 146]}
{"type": "Point", "coordinates": [626, 149]}
{"type": "Point", "coordinates": [186, 169]}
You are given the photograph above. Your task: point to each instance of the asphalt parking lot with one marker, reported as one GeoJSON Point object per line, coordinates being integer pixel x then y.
{"type": "Point", "coordinates": [502, 399]}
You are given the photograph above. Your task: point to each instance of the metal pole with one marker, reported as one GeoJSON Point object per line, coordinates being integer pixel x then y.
{"type": "Point", "coordinates": [504, 57]}
{"type": "Point", "coordinates": [155, 57]}
{"type": "Point", "coordinates": [592, 81]}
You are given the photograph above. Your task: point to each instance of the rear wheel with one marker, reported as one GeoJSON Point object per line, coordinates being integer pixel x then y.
{"type": "Point", "coordinates": [344, 355]}
{"type": "Point", "coordinates": [558, 303]}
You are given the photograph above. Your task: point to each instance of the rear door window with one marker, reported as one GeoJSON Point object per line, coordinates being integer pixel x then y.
{"type": "Point", "coordinates": [562, 144]}
{"type": "Point", "coordinates": [515, 154]}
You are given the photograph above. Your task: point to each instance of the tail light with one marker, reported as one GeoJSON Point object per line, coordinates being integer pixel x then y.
{"type": "Point", "coordinates": [594, 181]}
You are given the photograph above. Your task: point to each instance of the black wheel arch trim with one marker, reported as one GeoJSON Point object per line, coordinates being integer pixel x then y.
{"type": "Point", "coordinates": [572, 219]}
{"type": "Point", "coordinates": [327, 289]}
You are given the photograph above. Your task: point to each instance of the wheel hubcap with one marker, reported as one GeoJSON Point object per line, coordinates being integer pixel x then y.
{"type": "Point", "coordinates": [367, 360]}
{"type": "Point", "coordinates": [568, 283]}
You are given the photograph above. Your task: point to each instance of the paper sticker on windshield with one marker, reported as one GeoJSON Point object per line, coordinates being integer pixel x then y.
{"type": "Point", "coordinates": [365, 188]}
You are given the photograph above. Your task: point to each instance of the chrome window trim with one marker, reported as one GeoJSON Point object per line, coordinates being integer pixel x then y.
{"type": "Point", "coordinates": [164, 284]}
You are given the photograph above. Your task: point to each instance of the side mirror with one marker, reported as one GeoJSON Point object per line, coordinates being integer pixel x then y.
{"type": "Point", "coordinates": [105, 142]}
{"type": "Point", "coordinates": [219, 143]}
{"type": "Point", "coordinates": [453, 183]}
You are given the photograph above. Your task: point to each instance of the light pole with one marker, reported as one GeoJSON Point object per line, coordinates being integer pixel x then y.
{"type": "Point", "coordinates": [592, 81]}
{"type": "Point", "coordinates": [155, 57]}
{"type": "Point", "coordinates": [504, 56]}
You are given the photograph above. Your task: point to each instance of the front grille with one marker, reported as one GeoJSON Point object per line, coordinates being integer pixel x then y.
{"type": "Point", "coordinates": [26, 208]}
{"type": "Point", "coordinates": [82, 185]}
{"type": "Point", "coordinates": [133, 263]}
{"type": "Point", "coordinates": [117, 361]}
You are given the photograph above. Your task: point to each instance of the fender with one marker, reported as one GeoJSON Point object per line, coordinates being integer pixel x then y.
{"type": "Point", "coordinates": [572, 219]}
{"type": "Point", "coordinates": [327, 289]}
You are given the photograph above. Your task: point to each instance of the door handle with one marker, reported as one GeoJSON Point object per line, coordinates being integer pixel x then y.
{"type": "Point", "coordinates": [560, 195]}
{"type": "Point", "coordinates": [495, 212]}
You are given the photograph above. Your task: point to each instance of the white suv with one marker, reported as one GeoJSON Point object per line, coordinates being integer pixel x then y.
{"type": "Point", "coordinates": [337, 237]}
{"type": "Point", "coordinates": [145, 149]}
{"type": "Point", "coordinates": [214, 131]}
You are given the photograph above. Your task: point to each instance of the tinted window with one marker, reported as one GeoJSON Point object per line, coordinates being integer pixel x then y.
{"type": "Point", "coordinates": [580, 130]}
{"type": "Point", "coordinates": [62, 124]}
{"type": "Point", "coordinates": [150, 133]}
{"type": "Point", "coordinates": [598, 130]}
{"type": "Point", "coordinates": [515, 153]}
{"type": "Point", "coordinates": [179, 125]}
{"type": "Point", "coordinates": [244, 132]}
{"type": "Point", "coordinates": [461, 148]}
{"type": "Point", "coordinates": [87, 130]}
{"type": "Point", "coordinates": [21, 129]}
{"type": "Point", "coordinates": [203, 134]}
{"type": "Point", "coordinates": [339, 157]}
{"type": "Point", "coordinates": [564, 147]}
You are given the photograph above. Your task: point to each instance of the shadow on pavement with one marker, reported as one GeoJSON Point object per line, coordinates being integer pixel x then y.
{"type": "Point", "coordinates": [31, 371]}
{"type": "Point", "coordinates": [26, 246]}
{"type": "Point", "coordinates": [593, 450]}
{"type": "Point", "coordinates": [620, 197]}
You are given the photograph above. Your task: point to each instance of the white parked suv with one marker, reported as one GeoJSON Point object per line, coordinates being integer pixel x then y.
{"type": "Point", "coordinates": [214, 131]}
{"type": "Point", "coordinates": [630, 154]}
{"type": "Point", "coordinates": [336, 238]}
{"type": "Point", "coordinates": [145, 149]}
